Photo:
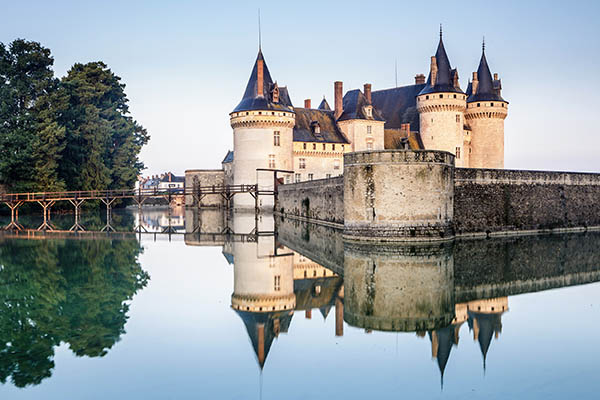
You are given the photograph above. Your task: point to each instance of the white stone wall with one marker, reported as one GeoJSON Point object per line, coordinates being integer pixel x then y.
{"type": "Point", "coordinates": [486, 120]}
{"type": "Point", "coordinates": [320, 160]}
{"type": "Point", "coordinates": [356, 130]}
{"type": "Point", "coordinates": [256, 269]}
{"type": "Point", "coordinates": [253, 142]}
{"type": "Point", "coordinates": [442, 123]}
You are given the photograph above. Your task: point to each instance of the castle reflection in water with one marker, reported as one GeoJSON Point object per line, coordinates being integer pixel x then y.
{"type": "Point", "coordinates": [282, 267]}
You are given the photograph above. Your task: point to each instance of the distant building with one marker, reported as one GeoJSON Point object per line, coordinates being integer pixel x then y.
{"type": "Point", "coordinates": [170, 181]}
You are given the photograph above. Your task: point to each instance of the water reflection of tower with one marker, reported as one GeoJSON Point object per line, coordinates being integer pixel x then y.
{"type": "Point", "coordinates": [483, 318]}
{"type": "Point", "coordinates": [263, 294]}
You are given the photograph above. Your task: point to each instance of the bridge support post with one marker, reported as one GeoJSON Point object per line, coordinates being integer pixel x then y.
{"type": "Point", "coordinates": [108, 227]}
{"type": "Point", "coordinates": [46, 206]}
{"type": "Point", "coordinates": [14, 215]}
{"type": "Point", "coordinates": [77, 204]}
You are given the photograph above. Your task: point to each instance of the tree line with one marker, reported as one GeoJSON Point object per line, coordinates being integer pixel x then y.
{"type": "Point", "coordinates": [72, 133]}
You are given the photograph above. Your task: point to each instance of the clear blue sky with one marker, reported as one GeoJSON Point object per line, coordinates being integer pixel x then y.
{"type": "Point", "coordinates": [186, 63]}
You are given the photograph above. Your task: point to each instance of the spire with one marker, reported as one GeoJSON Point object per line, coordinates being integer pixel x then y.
{"type": "Point", "coordinates": [258, 93]}
{"type": "Point", "coordinates": [324, 105]}
{"type": "Point", "coordinates": [486, 89]}
{"type": "Point", "coordinates": [444, 78]}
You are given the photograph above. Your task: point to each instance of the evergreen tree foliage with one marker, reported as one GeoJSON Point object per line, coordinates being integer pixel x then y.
{"type": "Point", "coordinates": [70, 134]}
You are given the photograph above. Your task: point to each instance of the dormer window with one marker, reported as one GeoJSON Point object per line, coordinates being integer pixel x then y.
{"type": "Point", "coordinates": [316, 129]}
{"type": "Point", "coordinates": [275, 94]}
{"type": "Point", "coordinates": [369, 111]}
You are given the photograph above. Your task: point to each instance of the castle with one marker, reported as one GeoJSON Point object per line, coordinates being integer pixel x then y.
{"type": "Point", "coordinates": [309, 143]}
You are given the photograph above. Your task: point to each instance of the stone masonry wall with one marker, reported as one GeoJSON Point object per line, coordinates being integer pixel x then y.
{"type": "Point", "coordinates": [507, 201]}
{"type": "Point", "coordinates": [204, 177]}
{"type": "Point", "coordinates": [321, 200]}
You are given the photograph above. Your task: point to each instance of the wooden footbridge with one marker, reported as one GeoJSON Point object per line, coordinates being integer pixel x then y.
{"type": "Point", "coordinates": [46, 200]}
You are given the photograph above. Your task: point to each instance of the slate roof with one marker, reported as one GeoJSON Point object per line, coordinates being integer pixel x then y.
{"type": "Point", "coordinates": [445, 74]}
{"type": "Point", "coordinates": [252, 320]}
{"type": "Point", "coordinates": [446, 339]}
{"type": "Point", "coordinates": [398, 106]}
{"type": "Point", "coordinates": [252, 101]}
{"type": "Point", "coordinates": [354, 104]}
{"type": "Point", "coordinates": [487, 89]}
{"type": "Point", "coordinates": [324, 105]}
{"type": "Point", "coordinates": [228, 157]}
{"type": "Point", "coordinates": [488, 325]}
{"type": "Point", "coordinates": [329, 131]}
{"type": "Point", "coordinates": [169, 177]}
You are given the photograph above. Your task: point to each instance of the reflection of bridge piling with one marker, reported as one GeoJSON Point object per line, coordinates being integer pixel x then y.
{"type": "Point", "coordinates": [76, 198]}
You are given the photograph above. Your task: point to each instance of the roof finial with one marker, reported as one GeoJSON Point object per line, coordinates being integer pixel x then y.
{"type": "Point", "coordinates": [259, 33]}
{"type": "Point", "coordinates": [483, 44]}
{"type": "Point", "coordinates": [441, 31]}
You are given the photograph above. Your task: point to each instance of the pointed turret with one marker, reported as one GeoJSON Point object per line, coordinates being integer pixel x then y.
{"type": "Point", "coordinates": [442, 78]}
{"type": "Point", "coordinates": [261, 93]}
{"type": "Point", "coordinates": [484, 87]}
{"type": "Point", "coordinates": [485, 114]}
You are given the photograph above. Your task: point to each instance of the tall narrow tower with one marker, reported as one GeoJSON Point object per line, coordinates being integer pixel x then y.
{"type": "Point", "coordinates": [441, 105]}
{"type": "Point", "coordinates": [486, 111]}
{"type": "Point", "coordinates": [262, 125]}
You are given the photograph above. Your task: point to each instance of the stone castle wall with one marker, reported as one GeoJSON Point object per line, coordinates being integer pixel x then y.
{"type": "Point", "coordinates": [419, 195]}
{"type": "Point", "coordinates": [320, 200]}
{"type": "Point", "coordinates": [204, 177]}
{"type": "Point", "coordinates": [511, 201]}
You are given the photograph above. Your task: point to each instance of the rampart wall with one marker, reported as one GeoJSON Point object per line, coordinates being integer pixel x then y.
{"type": "Point", "coordinates": [495, 201]}
{"type": "Point", "coordinates": [398, 195]}
{"type": "Point", "coordinates": [204, 177]}
{"type": "Point", "coordinates": [320, 200]}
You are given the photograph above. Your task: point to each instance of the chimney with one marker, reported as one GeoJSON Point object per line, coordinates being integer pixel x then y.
{"type": "Point", "coordinates": [307, 103]}
{"type": "Point", "coordinates": [405, 128]}
{"type": "Point", "coordinates": [339, 317]}
{"type": "Point", "coordinates": [496, 76]}
{"type": "Point", "coordinates": [308, 314]}
{"type": "Point", "coordinates": [259, 77]}
{"type": "Point", "coordinates": [475, 83]}
{"type": "Point", "coordinates": [338, 94]}
{"type": "Point", "coordinates": [419, 79]}
{"type": "Point", "coordinates": [368, 92]}
{"type": "Point", "coordinates": [434, 70]}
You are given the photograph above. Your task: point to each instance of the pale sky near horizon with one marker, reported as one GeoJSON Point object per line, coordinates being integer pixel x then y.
{"type": "Point", "coordinates": [186, 63]}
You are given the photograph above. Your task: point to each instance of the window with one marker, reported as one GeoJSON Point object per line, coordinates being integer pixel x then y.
{"type": "Point", "coordinates": [288, 179]}
{"type": "Point", "coordinates": [297, 177]}
{"type": "Point", "coordinates": [368, 111]}
{"type": "Point", "coordinates": [304, 146]}
{"type": "Point", "coordinates": [271, 160]}
{"type": "Point", "coordinates": [314, 146]}
{"type": "Point", "coordinates": [426, 97]}
{"type": "Point", "coordinates": [369, 132]}
{"type": "Point", "coordinates": [454, 96]}
{"type": "Point", "coordinates": [336, 164]}
{"type": "Point", "coordinates": [276, 138]}
{"type": "Point", "coordinates": [342, 147]}
{"type": "Point", "coordinates": [277, 283]}
{"type": "Point", "coordinates": [458, 152]}
{"type": "Point", "coordinates": [458, 118]}
{"type": "Point", "coordinates": [478, 104]}
{"type": "Point", "coordinates": [441, 96]}
{"type": "Point", "coordinates": [333, 147]}
{"type": "Point", "coordinates": [324, 148]}
{"type": "Point", "coordinates": [310, 177]}
{"type": "Point", "coordinates": [302, 163]}
{"type": "Point", "coordinates": [491, 104]}
{"type": "Point", "coordinates": [328, 176]}
{"type": "Point", "coordinates": [369, 145]}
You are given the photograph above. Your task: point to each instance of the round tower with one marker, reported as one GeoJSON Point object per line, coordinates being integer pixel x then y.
{"type": "Point", "coordinates": [262, 125]}
{"type": "Point", "coordinates": [263, 285]}
{"type": "Point", "coordinates": [441, 105]}
{"type": "Point", "coordinates": [485, 114]}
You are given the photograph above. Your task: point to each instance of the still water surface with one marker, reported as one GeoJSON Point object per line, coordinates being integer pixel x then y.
{"type": "Point", "coordinates": [219, 312]}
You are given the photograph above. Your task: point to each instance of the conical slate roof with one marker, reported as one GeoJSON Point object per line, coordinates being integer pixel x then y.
{"type": "Point", "coordinates": [485, 90]}
{"type": "Point", "coordinates": [324, 105]}
{"type": "Point", "coordinates": [445, 73]}
{"type": "Point", "coordinates": [253, 101]}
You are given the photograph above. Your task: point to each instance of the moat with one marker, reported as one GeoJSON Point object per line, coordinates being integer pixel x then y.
{"type": "Point", "coordinates": [228, 306]}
